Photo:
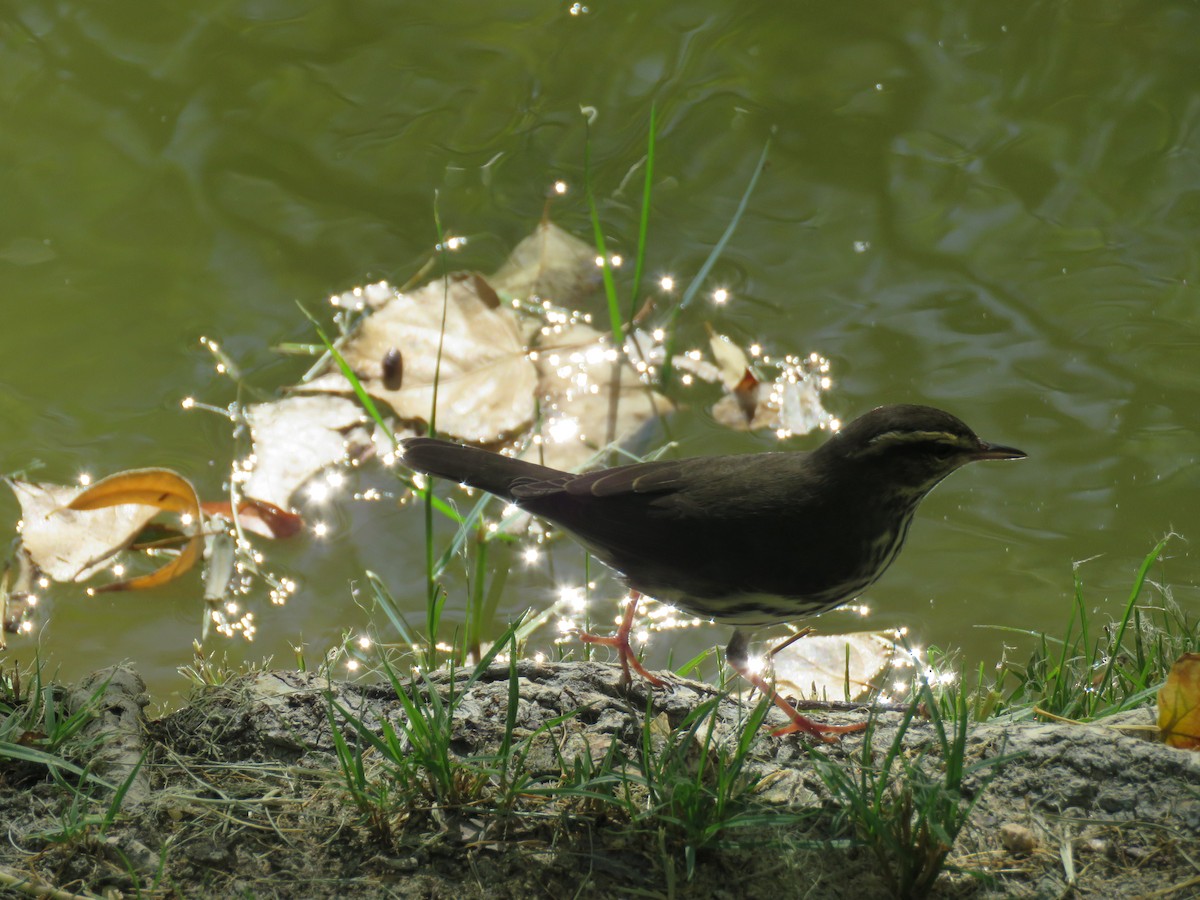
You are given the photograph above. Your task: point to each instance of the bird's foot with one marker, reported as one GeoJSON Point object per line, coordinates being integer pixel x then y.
{"type": "Point", "coordinates": [620, 641]}
{"type": "Point", "coordinates": [818, 730]}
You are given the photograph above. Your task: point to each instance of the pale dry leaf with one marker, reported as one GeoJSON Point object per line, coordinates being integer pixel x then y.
{"type": "Point", "coordinates": [791, 403]}
{"type": "Point", "coordinates": [731, 359]}
{"type": "Point", "coordinates": [816, 665]}
{"type": "Point", "coordinates": [69, 545]}
{"type": "Point", "coordinates": [161, 489]}
{"type": "Point", "coordinates": [550, 264]}
{"type": "Point", "coordinates": [485, 381]}
{"type": "Point", "coordinates": [297, 437]}
{"type": "Point", "coordinates": [575, 418]}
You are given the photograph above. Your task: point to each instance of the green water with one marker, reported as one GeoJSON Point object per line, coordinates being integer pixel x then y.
{"type": "Point", "coordinates": [991, 208]}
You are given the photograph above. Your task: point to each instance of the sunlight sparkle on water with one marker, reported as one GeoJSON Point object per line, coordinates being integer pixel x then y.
{"type": "Point", "coordinates": [720, 296]}
{"type": "Point", "coordinates": [563, 429]}
{"type": "Point", "coordinates": [320, 529]}
{"type": "Point", "coordinates": [85, 478]}
{"type": "Point", "coordinates": [560, 187]}
{"type": "Point", "coordinates": [531, 555]}
{"type": "Point", "coordinates": [666, 283]}
{"type": "Point", "coordinates": [573, 598]}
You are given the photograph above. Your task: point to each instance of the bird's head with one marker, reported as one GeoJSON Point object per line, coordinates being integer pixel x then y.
{"type": "Point", "coordinates": [912, 447]}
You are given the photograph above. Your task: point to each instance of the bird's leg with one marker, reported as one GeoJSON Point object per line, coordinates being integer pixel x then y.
{"type": "Point", "coordinates": [620, 641]}
{"type": "Point", "coordinates": [736, 654]}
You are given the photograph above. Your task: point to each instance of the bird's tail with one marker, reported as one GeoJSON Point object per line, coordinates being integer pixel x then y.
{"type": "Point", "coordinates": [481, 469]}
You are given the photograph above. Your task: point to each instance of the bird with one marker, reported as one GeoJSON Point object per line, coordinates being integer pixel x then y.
{"type": "Point", "coordinates": [747, 540]}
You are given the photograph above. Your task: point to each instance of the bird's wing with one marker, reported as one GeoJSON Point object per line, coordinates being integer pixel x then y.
{"type": "Point", "coordinates": [660, 477]}
{"type": "Point", "coordinates": [641, 478]}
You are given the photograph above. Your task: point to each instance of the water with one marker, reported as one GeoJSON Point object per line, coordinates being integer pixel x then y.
{"type": "Point", "coordinates": [987, 209]}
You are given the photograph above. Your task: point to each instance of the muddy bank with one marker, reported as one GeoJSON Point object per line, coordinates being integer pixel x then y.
{"type": "Point", "coordinates": [242, 793]}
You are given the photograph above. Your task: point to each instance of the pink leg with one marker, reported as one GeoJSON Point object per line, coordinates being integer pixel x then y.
{"type": "Point", "coordinates": [620, 641]}
{"type": "Point", "coordinates": [736, 656]}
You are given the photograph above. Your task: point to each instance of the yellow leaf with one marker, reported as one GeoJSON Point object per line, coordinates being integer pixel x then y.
{"type": "Point", "coordinates": [1179, 704]}
{"type": "Point", "coordinates": [176, 567]}
{"type": "Point", "coordinates": [162, 489]}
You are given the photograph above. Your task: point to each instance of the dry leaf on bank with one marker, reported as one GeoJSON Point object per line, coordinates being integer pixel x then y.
{"type": "Point", "coordinates": [1179, 704]}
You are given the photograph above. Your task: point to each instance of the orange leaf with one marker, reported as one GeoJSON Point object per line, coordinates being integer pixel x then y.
{"type": "Point", "coordinates": [176, 567]}
{"type": "Point", "coordinates": [162, 489]}
{"type": "Point", "coordinates": [1179, 704]}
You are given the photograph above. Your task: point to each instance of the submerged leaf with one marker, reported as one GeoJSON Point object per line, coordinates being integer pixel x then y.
{"type": "Point", "coordinates": [259, 516]}
{"type": "Point", "coordinates": [817, 665]}
{"type": "Point", "coordinates": [550, 264]}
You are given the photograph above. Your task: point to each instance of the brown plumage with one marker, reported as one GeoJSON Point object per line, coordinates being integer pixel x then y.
{"type": "Point", "coordinates": [746, 540]}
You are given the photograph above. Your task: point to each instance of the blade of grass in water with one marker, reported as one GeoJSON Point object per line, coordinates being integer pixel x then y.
{"type": "Point", "coordinates": [644, 222]}
{"type": "Point", "coordinates": [435, 597]}
{"type": "Point", "coordinates": [610, 288]}
{"type": "Point", "coordinates": [696, 282]}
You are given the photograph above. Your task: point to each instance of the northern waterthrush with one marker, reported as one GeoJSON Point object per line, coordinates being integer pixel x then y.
{"type": "Point", "coordinates": [748, 540]}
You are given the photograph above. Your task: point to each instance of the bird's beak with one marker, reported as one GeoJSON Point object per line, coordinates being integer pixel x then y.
{"type": "Point", "coordinates": [996, 451]}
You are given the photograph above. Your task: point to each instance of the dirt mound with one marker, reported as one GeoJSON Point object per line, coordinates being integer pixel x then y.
{"type": "Point", "coordinates": [568, 786]}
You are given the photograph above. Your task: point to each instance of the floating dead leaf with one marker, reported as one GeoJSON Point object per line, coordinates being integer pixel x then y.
{"type": "Point", "coordinates": [790, 404]}
{"type": "Point", "coordinates": [1179, 704]}
{"type": "Point", "coordinates": [550, 264]}
{"type": "Point", "coordinates": [161, 489]}
{"type": "Point", "coordinates": [817, 665]}
{"type": "Point", "coordinates": [68, 545]}
{"type": "Point", "coordinates": [297, 437]}
{"type": "Point", "coordinates": [485, 381]}
{"type": "Point", "coordinates": [575, 368]}
{"type": "Point", "coordinates": [731, 360]}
